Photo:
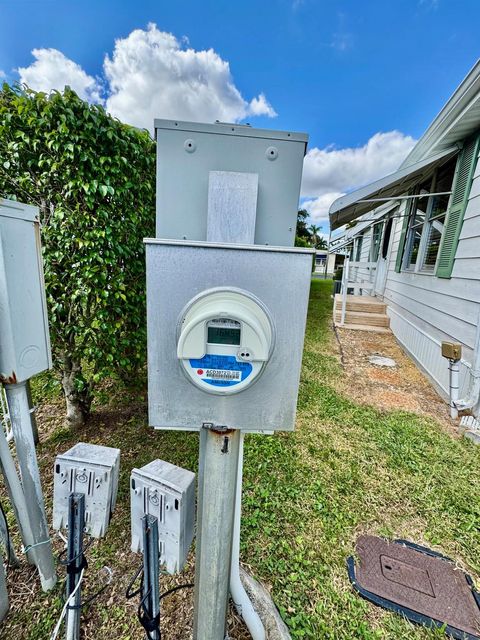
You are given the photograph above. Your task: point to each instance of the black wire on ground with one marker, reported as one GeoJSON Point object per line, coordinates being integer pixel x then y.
{"type": "Point", "coordinates": [149, 624]}
{"type": "Point", "coordinates": [71, 568]}
{"type": "Point", "coordinates": [91, 598]}
{"type": "Point", "coordinates": [68, 561]}
{"type": "Point", "coordinates": [177, 588]}
{"type": "Point", "coordinates": [8, 535]}
{"type": "Point", "coordinates": [131, 594]}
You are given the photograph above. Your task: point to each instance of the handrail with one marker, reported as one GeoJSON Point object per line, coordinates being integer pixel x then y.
{"type": "Point", "coordinates": [344, 290]}
{"type": "Point", "coordinates": [367, 265]}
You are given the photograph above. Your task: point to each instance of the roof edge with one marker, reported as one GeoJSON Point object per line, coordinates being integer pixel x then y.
{"type": "Point", "coordinates": [455, 105]}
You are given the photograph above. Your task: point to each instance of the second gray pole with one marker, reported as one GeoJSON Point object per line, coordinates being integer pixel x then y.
{"type": "Point", "coordinates": [217, 478]}
{"type": "Point", "coordinates": [20, 418]}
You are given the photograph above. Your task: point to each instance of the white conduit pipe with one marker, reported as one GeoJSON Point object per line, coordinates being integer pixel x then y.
{"type": "Point", "coordinates": [473, 396]}
{"type": "Point", "coordinates": [454, 368]}
{"type": "Point", "coordinates": [240, 597]}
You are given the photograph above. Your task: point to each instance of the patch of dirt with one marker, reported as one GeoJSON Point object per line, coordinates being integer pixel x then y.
{"type": "Point", "coordinates": [403, 387]}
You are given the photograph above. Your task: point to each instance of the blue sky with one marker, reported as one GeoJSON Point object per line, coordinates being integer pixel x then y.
{"type": "Point", "coordinates": [363, 78]}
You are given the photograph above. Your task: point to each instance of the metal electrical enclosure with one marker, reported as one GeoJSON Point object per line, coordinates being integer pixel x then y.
{"type": "Point", "coordinates": [167, 492]}
{"type": "Point", "coordinates": [188, 152]}
{"type": "Point", "coordinates": [24, 337]}
{"type": "Point", "coordinates": [180, 272]}
{"type": "Point", "coordinates": [93, 470]}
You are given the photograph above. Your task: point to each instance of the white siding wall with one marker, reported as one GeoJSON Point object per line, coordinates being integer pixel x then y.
{"type": "Point", "coordinates": [425, 310]}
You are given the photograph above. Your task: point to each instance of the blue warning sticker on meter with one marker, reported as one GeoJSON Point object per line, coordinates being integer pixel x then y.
{"type": "Point", "coordinates": [221, 371]}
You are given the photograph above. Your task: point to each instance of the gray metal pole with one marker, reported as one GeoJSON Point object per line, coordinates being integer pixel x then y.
{"type": "Point", "coordinates": [76, 524]}
{"type": "Point", "coordinates": [7, 543]}
{"type": "Point", "coordinates": [151, 573]}
{"type": "Point", "coordinates": [4, 605]}
{"type": "Point", "coordinates": [217, 479]}
{"type": "Point", "coordinates": [33, 419]}
{"type": "Point", "coordinates": [20, 417]}
{"type": "Point", "coordinates": [17, 499]}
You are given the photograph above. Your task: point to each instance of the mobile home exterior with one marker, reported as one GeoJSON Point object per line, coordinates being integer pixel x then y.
{"type": "Point", "coordinates": [418, 230]}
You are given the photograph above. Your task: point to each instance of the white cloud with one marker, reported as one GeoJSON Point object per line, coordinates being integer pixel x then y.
{"type": "Point", "coordinates": [151, 75]}
{"type": "Point", "coordinates": [261, 107]}
{"type": "Point", "coordinates": [331, 170]}
{"type": "Point", "coordinates": [53, 70]}
{"type": "Point", "coordinates": [2, 74]}
{"type": "Point", "coordinates": [318, 207]}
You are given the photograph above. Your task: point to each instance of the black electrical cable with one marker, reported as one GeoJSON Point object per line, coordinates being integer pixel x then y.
{"type": "Point", "coordinates": [131, 594]}
{"type": "Point", "coordinates": [91, 598]}
{"type": "Point", "coordinates": [9, 558]}
{"type": "Point", "coordinates": [177, 588]}
{"type": "Point", "coordinates": [69, 561]}
{"type": "Point", "coordinates": [149, 624]}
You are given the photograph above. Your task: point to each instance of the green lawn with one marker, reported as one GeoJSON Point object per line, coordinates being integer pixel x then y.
{"type": "Point", "coordinates": [347, 469]}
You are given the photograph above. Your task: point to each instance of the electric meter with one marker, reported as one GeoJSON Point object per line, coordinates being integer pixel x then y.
{"type": "Point", "coordinates": [225, 339]}
{"type": "Point", "coordinates": [225, 344]}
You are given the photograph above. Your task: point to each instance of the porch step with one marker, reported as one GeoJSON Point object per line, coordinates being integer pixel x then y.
{"type": "Point", "coordinates": [369, 306]}
{"type": "Point", "coordinates": [361, 303]}
{"type": "Point", "coordinates": [364, 327]}
{"type": "Point", "coordinates": [363, 318]}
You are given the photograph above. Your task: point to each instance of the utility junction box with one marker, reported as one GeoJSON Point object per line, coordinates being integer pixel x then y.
{"type": "Point", "coordinates": [24, 336]}
{"type": "Point", "coordinates": [452, 350]}
{"type": "Point", "coordinates": [92, 470]}
{"type": "Point", "coordinates": [190, 156]}
{"type": "Point", "coordinates": [167, 492]}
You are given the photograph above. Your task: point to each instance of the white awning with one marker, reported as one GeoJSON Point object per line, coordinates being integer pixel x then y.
{"type": "Point", "coordinates": [352, 205]}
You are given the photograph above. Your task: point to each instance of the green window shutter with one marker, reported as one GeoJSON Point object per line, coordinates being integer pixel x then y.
{"type": "Point", "coordinates": [453, 224]}
{"type": "Point", "coordinates": [401, 244]}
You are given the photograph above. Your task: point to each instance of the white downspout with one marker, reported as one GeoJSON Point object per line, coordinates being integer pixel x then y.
{"type": "Point", "coordinates": [473, 396]}
{"type": "Point", "coordinates": [240, 597]}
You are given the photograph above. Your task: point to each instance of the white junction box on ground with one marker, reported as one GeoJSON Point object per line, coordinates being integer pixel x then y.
{"type": "Point", "coordinates": [92, 470]}
{"type": "Point", "coordinates": [167, 492]}
{"type": "Point", "coordinates": [24, 337]}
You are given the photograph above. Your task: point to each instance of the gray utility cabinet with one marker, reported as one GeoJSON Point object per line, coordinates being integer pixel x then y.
{"type": "Point", "coordinates": [188, 152]}
{"type": "Point", "coordinates": [93, 470]}
{"type": "Point", "coordinates": [178, 272]}
{"type": "Point", "coordinates": [24, 337]}
{"type": "Point", "coordinates": [167, 492]}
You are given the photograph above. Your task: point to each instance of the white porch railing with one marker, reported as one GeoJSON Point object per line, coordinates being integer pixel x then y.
{"type": "Point", "coordinates": [351, 280]}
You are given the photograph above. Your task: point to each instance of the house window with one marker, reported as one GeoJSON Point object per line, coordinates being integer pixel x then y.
{"type": "Point", "coordinates": [358, 247]}
{"type": "Point", "coordinates": [376, 240]}
{"type": "Point", "coordinates": [386, 238]}
{"type": "Point", "coordinates": [427, 220]}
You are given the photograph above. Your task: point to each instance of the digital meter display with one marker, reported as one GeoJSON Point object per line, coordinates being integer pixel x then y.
{"type": "Point", "coordinates": [223, 335]}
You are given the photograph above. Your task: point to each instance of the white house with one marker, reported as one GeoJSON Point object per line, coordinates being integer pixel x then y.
{"type": "Point", "coordinates": [414, 239]}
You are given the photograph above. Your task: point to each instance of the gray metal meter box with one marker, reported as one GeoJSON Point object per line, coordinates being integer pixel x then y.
{"type": "Point", "coordinates": [188, 153]}
{"type": "Point", "coordinates": [93, 470]}
{"type": "Point", "coordinates": [167, 492]}
{"type": "Point", "coordinates": [24, 337]}
{"type": "Point", "coordinates": [225, 326]}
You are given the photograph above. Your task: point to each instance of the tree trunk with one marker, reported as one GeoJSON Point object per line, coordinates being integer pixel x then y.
{"type": "Point", "coordinates": [77, 401]}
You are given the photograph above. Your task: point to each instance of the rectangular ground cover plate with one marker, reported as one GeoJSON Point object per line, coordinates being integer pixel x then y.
{"type": "Point", "coordinates": [424, 586]}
